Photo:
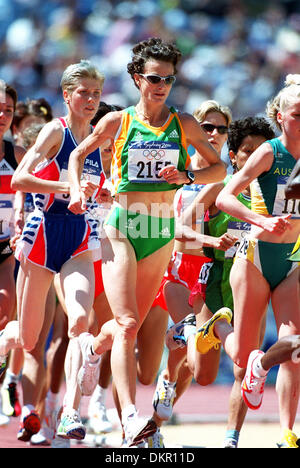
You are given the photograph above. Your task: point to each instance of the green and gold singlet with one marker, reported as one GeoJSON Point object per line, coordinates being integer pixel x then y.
{"type": "Point", "coordinates": [140, 151]}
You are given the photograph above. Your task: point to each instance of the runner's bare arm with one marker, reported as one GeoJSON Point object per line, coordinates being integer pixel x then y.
{"type": "Point", "coordinates": [185, 225]}
{"type": "Point", "coordinates": [45, 147]}
{"type": "Point", "coordinates": [216, 169]}
{"type": "Point", "coordinates": [104, 130]}
{"type": "Point", "coordinates": [260, 161]}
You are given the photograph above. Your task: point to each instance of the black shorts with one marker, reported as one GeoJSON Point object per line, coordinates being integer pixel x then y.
{"type": "Point", "coordinates": [5, 251]}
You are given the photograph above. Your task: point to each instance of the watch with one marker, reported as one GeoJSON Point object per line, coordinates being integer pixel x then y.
{"type": "Point", "coordinates": [191, 176]}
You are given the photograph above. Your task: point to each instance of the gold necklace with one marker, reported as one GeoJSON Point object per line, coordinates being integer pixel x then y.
{"type": "Point", "coordinates": [139, 112]}
{"type": "Point", "coordinates": [146, 118]}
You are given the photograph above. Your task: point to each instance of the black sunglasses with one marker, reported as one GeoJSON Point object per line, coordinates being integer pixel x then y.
{"type": "Point", "coordinates": [222, 129]}
{"type": "Point", "coordinates": [155, 79]}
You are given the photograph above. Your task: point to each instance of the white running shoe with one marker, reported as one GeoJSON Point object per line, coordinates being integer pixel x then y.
{"type": "Point", "coordinates": [41, 438]}
{"type": "Point", "coordinates": [163, 398]}
{"type": "Point", "coordinates": [4, 419]}
{"type": "Point", "coordinates": [98, 420]}
{"type": "Point", "coordinates": [88, 375]}
{"type": "Point", "coordinates": [141, 444]}
{"type": "Point", "coordinates": [252, 386]}
{"type": "Point", "coordinates": [48, 429]}
{"type": "Point", "coordinates": [3, 362]}
{"type": "Point", "coordinates": [230, 443]}
{"type": "Point", "coordinates": [175, 338]}
{"type": "Point", "coordinates": [70, 426]}
{"type": "Point", "coordinates": [3, 359]}
{"type": "Point", "coordinates": [155, 441]}
{"type": "Point", "coordinates": [59, 442]}
{"type": "Point", "coordinates": [137, 429]}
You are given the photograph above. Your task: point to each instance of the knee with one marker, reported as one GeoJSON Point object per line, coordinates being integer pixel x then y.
{"type": "Point", "coordinates": [204, 378]}
{"type": "Point", "coordinates": [241, 360]}
{"type": "Point", "coordinates": [78, 323]}
{"type": "Point", "coordinates": [35, 354]}
{"type": "Point", "coordinates": [186, 371]}
{"type": "Point", "coordinates": [290, 346]}
{"type": "Point", "coordinates": [240, 357]}
{"type": "Point", "coordinates": [239, 374]}
{"type": "Point", "coordinates": [29, 343]}
{"type": "Point", "coordinates": [4, 321]}
{"type": "Point", "coordinates": [146, 378]}
{"type": "Point", "coordinates": [291, 342]}
{"type": "Point", "coordinates": [28, 340]}
{"type": "Point", "coordinates": [127, 328]}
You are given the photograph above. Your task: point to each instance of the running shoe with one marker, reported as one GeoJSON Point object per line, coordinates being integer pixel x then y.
{"type": "Point", "coordinates": [163, 398]}
{"type": "Point", "coordinates": [155, 441]}
{"type": "Point", "coordinates": [4, 420]}
{"type": "Point", "coordinates": [98, 420]}
{"type": "Point", "coordinates": [47, 432]}
{"type": "Point", "coordinates": [10, 400]}
{"type": "Point", "coordinates": [2, 364]}
{"type": "Point", "coordinates": [137, 429]}
{"type": "Point", "coordinates": [88, 375]}
{"type": "Point", "coordinates": [59, 442]}
{"type": "Point", "coordinates": [230, 443]}
{"type": "Point", "coordinates": [141, 444]}
{"type": "Point", "coordinates": [175, 335]}
{"type": "Point", "coordinates": [205, 338]}
{"type": "Point", "coordinates": [40, 439]}
{"type": "Point", "coordinates": [3, 359]}
{"type": "Point", "coordinates": [29, 425]}
{"type": "Point", "coordinates": [289, 440]}
{"type": "Point", "coordinates": [70, 426]}
{"type": "Point", "coordinates": [253, 387]}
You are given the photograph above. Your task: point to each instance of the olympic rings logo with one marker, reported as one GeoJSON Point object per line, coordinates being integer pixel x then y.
{"type": "Point", "coordinates": [154, 154]}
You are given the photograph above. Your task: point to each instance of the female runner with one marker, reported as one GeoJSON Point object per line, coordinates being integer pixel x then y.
{"type": "Point", "coordinates": [150, 161]}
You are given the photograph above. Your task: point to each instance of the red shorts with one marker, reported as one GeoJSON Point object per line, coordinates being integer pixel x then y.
{"type": "Point", "coordinates": [183, 269]}
{"type": "Point", "coordinates": [199, 288]}
{"type": "Point", "coordinates": [160, 298]}
{"type": "Point", "coordinates": [99, 288]}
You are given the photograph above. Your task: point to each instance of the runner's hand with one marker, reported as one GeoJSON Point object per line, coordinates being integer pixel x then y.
{"type": "Point", "coordinates": [104, 196]}
{"type": "Point", "coordinates": [77, 203]}
{"type": "Point", "coordinates": [88, 188]}
{"type": "Point", "coordinates": [225, 241]}
{"type": "Point", "coordinates": [173, 176]}
{"type": "Point", "coordinates": [277, 224]}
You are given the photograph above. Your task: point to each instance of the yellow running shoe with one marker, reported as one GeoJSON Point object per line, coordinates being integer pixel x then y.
{"type": "Point", "coordinates": [205, 337]}
{"type": "Point", "coordinates": [289, 440]}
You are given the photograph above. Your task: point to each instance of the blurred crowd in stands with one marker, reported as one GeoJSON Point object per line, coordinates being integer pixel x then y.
{"type": "Point", "coordinates": [235, 51]}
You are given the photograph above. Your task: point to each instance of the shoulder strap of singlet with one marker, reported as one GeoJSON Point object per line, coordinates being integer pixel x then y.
{"type": "Point", "coordinates": [63, 121]}
{"type": "Point", "coordinates": [9, 154]}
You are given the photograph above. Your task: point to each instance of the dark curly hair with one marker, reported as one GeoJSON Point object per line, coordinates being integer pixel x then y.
{"type": "Point", "coordinates": [10, 91]}
{"type": "Point", "coordinates": [37, 107]}
{"type": "Point", "coordinates": [153, 48]}
{"type": "Point", "coordinates": [103, 109]}
{"type": "Point", "coordinates": [240, 129]}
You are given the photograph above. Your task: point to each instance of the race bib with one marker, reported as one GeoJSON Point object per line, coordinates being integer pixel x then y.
{"type": "Point", "coordinates": [282, 206]}
{"type": "Point", "coordinates": [238, 229]}
{"type": "Point", "coordinates": [65, 197]}
{"type": "Point", "coordinates": [6, 218]}
{"type": "Point", "coordinates": [244, 248]}
{"type": "Point", "coordinates": [147, 158]}
{"type": "Point", "coordinates": [204, 272]}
